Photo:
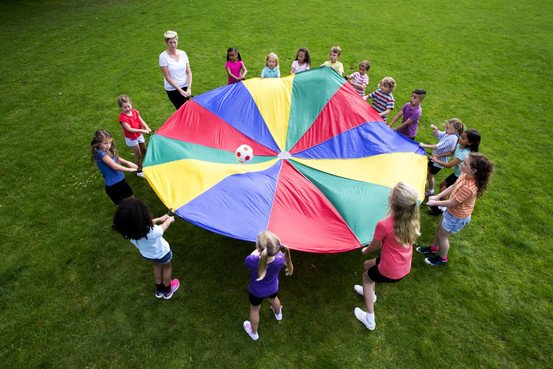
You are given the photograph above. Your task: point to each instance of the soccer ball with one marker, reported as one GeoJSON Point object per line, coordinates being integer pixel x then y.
{"type": "Point", "coordinates": [244, 153]}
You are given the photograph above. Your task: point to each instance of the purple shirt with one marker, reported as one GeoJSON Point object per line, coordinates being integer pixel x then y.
{"type": "Point", "coordinates": [413, 112]}
{"type": "Point", "coordinates": [268, 285]}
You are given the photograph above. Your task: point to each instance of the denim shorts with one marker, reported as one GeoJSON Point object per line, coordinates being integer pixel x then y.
{"type": "Point", "coordinates": [452, 224]}
{"type": "Point", "coordinates": [136, 141]}
{"type": "Point", "coordinates": [164, 260]}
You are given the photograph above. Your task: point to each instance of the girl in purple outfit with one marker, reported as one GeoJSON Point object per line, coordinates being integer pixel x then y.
{"type": "Point", "coordinates": [264, 263]}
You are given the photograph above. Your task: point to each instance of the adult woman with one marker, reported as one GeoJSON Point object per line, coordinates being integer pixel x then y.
{"type": "Point", "coordinates": [176, 71]}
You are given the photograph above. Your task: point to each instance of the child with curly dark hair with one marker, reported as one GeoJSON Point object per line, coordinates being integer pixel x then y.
{"type": "Point", "coordinates": [133, 220]}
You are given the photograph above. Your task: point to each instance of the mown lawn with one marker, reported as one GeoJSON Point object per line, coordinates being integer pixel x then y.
{"type": "Point", "coordinates": [74, 294]}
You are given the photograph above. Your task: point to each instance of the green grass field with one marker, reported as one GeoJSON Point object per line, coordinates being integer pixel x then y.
{"type": "Point", "coordinates": [73, 294]}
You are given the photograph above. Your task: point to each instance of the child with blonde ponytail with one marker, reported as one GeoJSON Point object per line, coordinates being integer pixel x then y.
{"type": "Point", "coordinates": [395, 236]}
{"type": "Point", "coordinates": [264, 263]}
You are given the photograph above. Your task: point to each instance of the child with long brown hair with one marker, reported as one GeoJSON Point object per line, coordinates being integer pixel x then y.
{"type": "Point", "coordinates": [265, 263]}
{"type": "Point", "coordinates": [395, 236]}
{"type": "Point", "coordinates": [104, 154]}
{"type": "Point", "coordinates": [459, 199]}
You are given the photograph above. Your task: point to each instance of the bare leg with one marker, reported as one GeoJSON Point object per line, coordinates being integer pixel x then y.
{"type": "Point", "coordinates": [443, 186]}
{"type": "Point", "coordinates": [369, 264]}
{"type": "Point", "coordinates": [254, 317]}
{"type": "Point", "coordinates": [157, 273]}
{"type": "Point", "coordinates": [137, 155]}
{"type": "Point", "coordinates": [275, 303]}
{"type": "Point", "coordinates": [167, 270]}
{"type": "Point", "coordinates": [443, 238]}
{"type": "Point", "coordinates": [368, 293]}
{"type": "Point", "coordinates": [430, 181]}
{"type": "Point", "coordinates": [142, 146]}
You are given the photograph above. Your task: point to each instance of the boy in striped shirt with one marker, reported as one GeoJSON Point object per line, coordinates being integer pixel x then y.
{"type": "Point", "coordinates": [382, 99]}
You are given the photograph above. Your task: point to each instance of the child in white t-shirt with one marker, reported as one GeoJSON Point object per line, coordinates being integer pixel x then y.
{"type": "Point", "coordinates": [360, 79]}
{"type": "Point", "coordinates": [133, 220]}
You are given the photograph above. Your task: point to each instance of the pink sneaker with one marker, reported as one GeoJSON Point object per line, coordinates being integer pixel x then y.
{"type": "Point", "coordinates": [175, 284]}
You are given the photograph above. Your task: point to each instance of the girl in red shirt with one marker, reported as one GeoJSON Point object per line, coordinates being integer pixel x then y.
{"type": "Point", "coordinates": [133, 127]}
{"type": "Point", "coordinates": [395, 236]}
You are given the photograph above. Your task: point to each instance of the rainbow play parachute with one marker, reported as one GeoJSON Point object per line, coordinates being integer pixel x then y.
{"type": "Point", "coordinates": [323, 166]}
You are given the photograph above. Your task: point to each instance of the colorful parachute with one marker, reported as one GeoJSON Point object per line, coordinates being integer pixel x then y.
{"type": "Point", "coordinates": [323, 168]}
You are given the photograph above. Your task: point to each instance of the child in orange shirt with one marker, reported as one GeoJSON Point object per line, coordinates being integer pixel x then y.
{"type": "Point", "coordinates": [476, 172]}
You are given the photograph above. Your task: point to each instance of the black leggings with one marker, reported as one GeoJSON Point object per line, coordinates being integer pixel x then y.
{"type": "Point", "coordinates": [176, 98]}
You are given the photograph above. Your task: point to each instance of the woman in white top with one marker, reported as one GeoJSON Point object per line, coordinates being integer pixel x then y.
{"type": "Point", "coordinates": [176, 71]}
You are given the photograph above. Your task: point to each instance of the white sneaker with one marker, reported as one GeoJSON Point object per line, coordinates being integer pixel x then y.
{"type": "Point", "coordinates": [140, 174]}
{"type": "Point", "coordinates": [363, 318]}
{"type": "Point", "coordinates": [248, 328]}
{"type": "Point", "coordinates": [277, 316]}
{"type": "Point", "coordinates": [429, 193]}
{"type": "Point", "coordinates": [442, 208]}
{"type": "Point", "coordinates": [359, 289]}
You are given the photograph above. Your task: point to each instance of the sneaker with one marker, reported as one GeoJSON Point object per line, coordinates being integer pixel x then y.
{"type": "Point", "coordinates": [140, 174]}
{"type": "Point", "coordinates": [175, 284]}
{"type": "Point", "coordinates": [435, 210]}
{"type": "Point", "coordinates": [159, 294]}
{"type": "Point", "coordinates": [429, 193]}
{"type": "Point", "coordinates": [425, 250]}
{"type": "Point", "coordinates": [362, 317]}
{"type": "Point", "coordinates": [248, 328]}
{"type": "Point", "coordinates": [277, 316]}
{"type": "Point", "coordinates": [359, 289]}
{"type": "Point", "coordinates": [435, 261]}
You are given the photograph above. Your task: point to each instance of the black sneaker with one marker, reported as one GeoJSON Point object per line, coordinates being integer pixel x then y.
{"type": "Point", "coordinates": [425, 250]}
{"type": "Point", "coordinates": [435, 261]}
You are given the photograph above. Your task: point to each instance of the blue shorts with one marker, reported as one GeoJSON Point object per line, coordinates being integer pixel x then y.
{"type": "Point", "coordinates": [452, 224]}
{"type": "Point", "coordinates": [164, 260]}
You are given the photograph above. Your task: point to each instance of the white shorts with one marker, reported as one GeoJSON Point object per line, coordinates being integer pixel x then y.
{"type": "Point", "coordinates": [136, 141]}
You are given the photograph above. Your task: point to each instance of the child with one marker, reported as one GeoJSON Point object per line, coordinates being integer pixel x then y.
{"type": "Point", "coordinates": [411, 113]}
{"type": "Point", "coordinates": [106, 157]}
{"type": "Point", "coordinates": [360, 79]}
{"type": "Point", "coordinates": [302, 62]}
{"type": "Point", "coordinates": [264, 264]}
{"type": "Point", "coordinates": [271, 69]}
{"type": "Point", "coordinates": [236, 69]}
{"type": "Point", "coordinates": [382, 99]}
{"type": "Point", "coordinates": [133, 220]}
{"type": "Point", "coordinates": [446, 144]}
{"type": "Point", "coordinates": [469, 141]}
{"type": "Point", "coordinates": [476, 172]}
{"type": "Point", "coordinates": [335, 52]}
{"type": "Point", "coordinates": [395, 235]}
{"type": "Point", "coordinates": [133, 128]}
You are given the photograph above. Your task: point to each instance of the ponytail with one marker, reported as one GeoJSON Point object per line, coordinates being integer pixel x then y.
{"type": "Point", "coordinates": [262, 266]}
{"type": "Point", "coordinates": [268, 245]}
{"type": "Point", "coordinates": [289, 266]}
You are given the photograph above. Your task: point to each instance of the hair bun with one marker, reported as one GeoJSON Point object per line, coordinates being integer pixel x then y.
{"type": "Point", "coordinates": [170, 34]}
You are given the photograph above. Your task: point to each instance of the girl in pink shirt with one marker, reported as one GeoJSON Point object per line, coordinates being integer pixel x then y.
{"type": "Point", "coordinates": [235, 67]}
{"type": "Point", "coordinates": [395, 236]}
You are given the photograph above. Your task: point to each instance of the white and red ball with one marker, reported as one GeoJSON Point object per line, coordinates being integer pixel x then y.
{"type": "Point", "coordinates": [244, 153]}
